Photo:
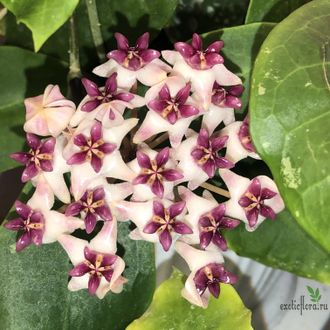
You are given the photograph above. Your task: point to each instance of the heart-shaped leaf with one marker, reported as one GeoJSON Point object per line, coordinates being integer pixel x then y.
{"type": "Point", "coordinates": [170, 311]}
{"type": "Point", "coordinates": [290, 115]}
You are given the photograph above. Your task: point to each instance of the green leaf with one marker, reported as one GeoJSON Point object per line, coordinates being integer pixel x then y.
{"type": "Point", "coordinates": [310, 290]}
{"type": "Point", "coordinates": [170, 311]}
{"type": "Point", "coordinates": [317, 292]}
{"type": "Point", "coordinates": [282, 244]}
{"type": "Point", "coordinates": [241, 48]}
{"type": "Point", "coordinates": [23, 74]}
{"type": "Point", "coordinates": [42, 17]}
{"type": "Point", "coordinates": [290, 114]}
{"type": "Point", "coordinates": [34, 294]}
{"type": "Point", "coordinates": [271, 10]}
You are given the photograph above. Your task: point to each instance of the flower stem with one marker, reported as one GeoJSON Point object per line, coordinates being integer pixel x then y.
{"type": "Point", "coordinates": [154, 143]}
{"type": "Point", "coordinates": [216, 189]}
{"type": "Point", "coordinates": [74, 69]}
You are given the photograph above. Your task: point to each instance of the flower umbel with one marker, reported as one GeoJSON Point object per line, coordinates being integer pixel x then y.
{"type": "Point", "coordinates": [164, 223]}
{"type": "Point", "coordinates": [39, 158]}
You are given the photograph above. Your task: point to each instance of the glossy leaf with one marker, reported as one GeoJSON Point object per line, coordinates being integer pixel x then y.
{"type": "Point", "coordinates": [241, 48]}
{"type": "Point", "coordinates": [34, 294]}
{"type": "Point", "coordinates": [42, 17]}
{"type": "Point", "coordinates": [282, 244]}
{"type": "Point", "coordinates": [290, 114]}
{"type": "Point", "coordinates": [170, 311]}
{"type": "Point", "coordinates": [23, 74]}
{"type": "Point", "coordinates": [271, 10]}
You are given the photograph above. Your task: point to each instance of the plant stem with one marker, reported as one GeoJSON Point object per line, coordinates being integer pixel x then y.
{"type": "Point", "coordinates": [74, 68]}
{"type": "Point", "coordinates": [216, 189]}
{"type": "Point", "coordinates": [158, 140]}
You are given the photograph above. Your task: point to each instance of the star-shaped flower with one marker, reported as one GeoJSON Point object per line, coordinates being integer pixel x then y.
{"type": "Point", "coordinates": [251, 200]}
{"type": "Point", "coordinates": [134, 63]}
{"type": "Point", "coordinates": [156, 220]}
{"type": "Point", "coordinates": [239, 144]}
{"type": "Point", "coordinates": [171, 110]}
{"type": "Point", "coordinates": [96, 265]}
{"type": "Point", "coordinates": [200, 67]}
{"type": "Point", "coordinates": [107, 104]}
{"type": "Point", "coordinates": [224, 100]}
{"type": "Point", "coordinates": [156, 176]}
{"type": "Point", "coordinates": [207, 272]}
{"type": "Point", "coordinates": [48, 114]}
{"type": "Point", "coordinates": [37, 222]}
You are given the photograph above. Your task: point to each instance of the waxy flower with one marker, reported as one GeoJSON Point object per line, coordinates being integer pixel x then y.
{"type": "Point", "coordinates": [106, 104]}
{"type": "Point", "coordinates": [48, 114]}
{"type": "Point", "coordinates": [239, 144]}
{"type": "Point", "coordinates": [207, 272]}
{"type": "Point", "coordinates": [92, 149]}
{"type": "Point", "coordinates": [96, 265]}
{"type": "Point", "coordinates": [153, 172]}
{"type": "Point", "coordinates": [163, 222]}
{"type": "Point", "coordinates": [134, 63]}
{"type": "Point", "coordinates": [251, 200]}
{"type": "Point", "coordinates": [39, 158]}
{"type": "Point", "coordinates": [38, 223]}
{"type": "Point", "coordinates": [224, 100]}
{"type": "Point", "coordinates": [156, 220]}
{"type": "Point", "coordinates": [93, 205]}
{"type": "Point", "coordinates": [171, 110]}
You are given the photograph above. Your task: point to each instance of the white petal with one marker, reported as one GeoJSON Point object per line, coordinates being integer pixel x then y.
{"type": "Point", "coordinates": [171, 56]}
{"type": "Point", "coordinates": [216, 115]}
{"type": "Point", "coordinates": [225, 77]}
{"type": "Point", "coordinates": [153, 73]}
{"type": "Point", "coordinates": [74, 247]}
{"type": "Point", "coordinates": [106, 69]}
{"type": "Point", "coordinates": [43, 197]}
{"type": "Point", "coordinates": [106, 240]}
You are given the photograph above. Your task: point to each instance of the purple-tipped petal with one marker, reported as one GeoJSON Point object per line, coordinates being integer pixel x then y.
{"type": "Point", "coordinates": [219, 241]}
{"type": "Point", "coordinates": [109, 259]}
{"type": "Point", "coordinates": [96, 132]}
{"type": "Point", "coordinates": [48, 146]}
{"type": "Point", "coordinates": [104, 212]}
{"type": "Point", "coordinates": [23, 241]}
{"type": "Point", "coordinates": [164, 93]}
{"type": "Point", "coordinates": [267, 193]}
{"type": "Point", "coordinates": [227, 277]}
{"type": "Point", "coordinates": [229, 223]}
{"type": "Point", "coordinates": [141, 179]}
{"type": "Point", "coordinates": [90, 255]}
{"type": "Point", "coordinates": [181, 228]}
{"type": "Point", "coordinates": [80, 140]}
{"type": "Point", "coordinates": [124, 96]}
{"type": "Point", "coordinates": [252, 216]}
{"type": "Point", "coordinates": [267, 212]}
{"type": "Point", "coordinates": [172, 175]}
{"type": "Point", "coordinates": [176, 209]}
{"type": "Point", "coordinates": [98, 194]}
{"type": "Point", "coordinates": [244, 201]}
{"type": "Point", "coordinates": [158, 209]}
{"type": "Point", "coordinates": [143, 159]}
{"type": "Point", "coordinates": [134, 64]}
{"type": "Point", "coordinates": [143, 41]}
{"type": "Point", "coordinates": [36, 236]}
{"type": "Point", "coordinates": [21, 157]}
{"type": "Point", "coordinates": [96, 163]}
{"type": "Point", "coordinates": [213, 59]}
{"type": "Point", "coordinates": [222, 162]}
{"type": "Point", "coordinates": [33, 141]}
{"type": "Point", "coordinates": [73, 209]}
{"type": "Point", "coordinates": [233, 102]}
{"type": "Point", "coordinates": [204, 221]}
{"type": "Point", "coordinates": [122, 41]}
{"type": "Point", "coordinates": [22, 209]}
{"type": "Point", "coordinates": [236, 90]}
{"type": "Point", "coordinates": [197, 42]}
{"type": "Point", "coordinates": [188, 110]}
{"type": "Point", "coordinates": [79, 270]}
{"type": "Point", "coordinates": [157, 105]}
{"type": "Point", "coordinates": [197, 154]}
{"type": "Point", "coordinates": [90, 222]}
{"type": "Point", "coordinates": [107, 148]}
{"type": "Point", "coordinates": [205, 239]}
{"type": "Point", "coordinates": [15, 224]}
{"type": "Point", "coordinates": [215, 47]}
{"type": "Point", "coordinates": [157, 188]}
{"type": "Point", "coordinates": [118, 55]}
{"type": "Point", "coordinates": [111, 84]}
{"type": "Point", "coordinates": [219, 142]}
{"type": "Point", "coordinates": [183, 94]}
{"type": "Point", "coordinates": [108, 274]}
{"type": "Point", "coordinates": [214, 289]}
{"type": "Point", "coordinates": [219, 211]}
{"type": "Point", "coordinates": [149, 55]}
{"type": "Point", "coordinates": [255, 187]}
{"type": "Point", "coordinates": [172, 117]}
{"type": "Point", "coordinates": [163, 156]}
{"type": "Point", "coordinates": [77, 158]}
{"type": "Point", "coordinates": [29, 172]}
{"type": "Point", "coordinates": [165, 239]}
{"type": "Point", "coordinates": [91, 88]}
{"type": "Point", "coordinates": [46, 165]}
{"type": "Point", "coordinates": [209, 168]}
{"type": "Point", "coordinates": [93, 283]}
{"type": "Point", "coordinates": [151, 227]}
{"type": "Point", "coordinates": [203, 138]}
{"type": "Point", "coordinates": [184, 49]}
{"type": "Point", "coordinates": [90, 105]}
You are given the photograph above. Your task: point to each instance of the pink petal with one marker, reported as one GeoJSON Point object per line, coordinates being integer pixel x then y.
{"type": "Point", "coordinates": [22, 209]}
{"type": "Point", "coordinates": [181, 228]}
{"type": "Point", "coordinates": [29, 172]}
{"type": "Point", "coordinates": [111, 84]}
{"type": "Point", "coordinates": [143, 41]}
{"type": "Point", "coordinates": [267, 212]}
{"type": "Point", "coordinates": [118, 55]}
{"type": "Point", "coordinates": [79, 270]}
{"type": "Point", "coordinates": [15, 224]}
{"type": "Point", "coordinates": [252, 216]}
{"type": "Point", "coordinates": [214, 289]}
{"type": "Point", "coordinates": [151, 227]}
{"type": "Point", "coordinates": [255, 187]}
{"type": "Point", "coordinates": [23, 242]}
{"type": "Point", "coordinates": [122, 42]}
{"type": "Point", "coordinates": [107, 148]}
{"type": "Point", "coordinates": [184, 49]}
{"type": "Point", "coordinates": [172, 175]}
{"type": "Point", "coordinates": [188, 110]}
{"type": "Point", "coordinates": [219, 142]}
{"type": "Point", "coordinates": [96, 163]}
{"type": "Point", "coordinates": [165, 239]}
{"type": "Point", "coordinates": [77, 158]}
{"type": "Point", "coordinates": [21, 157]}
{"type": "Point", "coordinates": [267, 193]}
{"type": "Point", "coordinates": [104, 212]}
{"type": "Point", "coordinates": [222, 162]}
{"type": "Point", "coordinates": [158, 209]}
{"type": "Point", "coordinates": [157, 105]}
{"type": "Point", "coordinates": [219, 211]}
{"type": "Point", "coordinates": [98, 194]}
{"type": "Point", "coordinates": [90, 105]}
{"type": "Point", "coordinates": [203, 138]}
{"type": "Point", "coordinates": [196, 42]}
{"type": "Point", "coordinates": [219, 241]}
{"type": "Point", "coordinates": [46, 165]}
{"type": "Point", "coordinates": [163, 156]}
{"type": "Point", "coordinates": [73, 209]}
{"type": "Point", "coordinates": [91, 88]}
{"type": "Point", "coordinates": [183, 94]}
{"type": "Point", "coordinates": [48, 146]}
{"type": "Point", "coordinates": [176, 209]}
{"type": "Point", "coordinates": [149, 55]}
{"type": "Point", "coordinates": [209, 168]}
{"type": "Point", "coordinates": [33, 141]}
{"type": "Point", "coordinates": [96, 132]}
{"type": "Point", "coordinates": [90, 222]}
{"type": "Point", "coordinates": [143, 159]}
{"type": "Point", "coordinates": [215, 46]}
{"type": "Point", "coordinates": [205, 239]}
{"type": "Point", "coordinates": [93, 283]}
{"type": "Point", "coordinates": [157, 188]}
{"type": "Point", "coordinates": [233, 102]}
{"type": "Point", "coordinates": [172, 117]}
{"type": "Point", "coordinates": [80, 140]}
{"type": "Point", "coordinates": [213, 59]}
{"type": "Point", "coordinates": [164, 93]}
{"type": "Point", "coordinates": [141, 179]}
{"type": "Point", "coordinates": [229, 223]}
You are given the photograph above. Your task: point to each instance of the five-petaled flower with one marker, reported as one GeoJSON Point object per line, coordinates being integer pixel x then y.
{"type": "Point", "coordinates": [93, 205]}
{"type": "Point", "coordinates": [153, 172]}
{"type": "Point", "coordinates": [206, 155]}
{"type": "Point", "coordinates": [198, 58]}
{"type": "Point", "coordinates": [173, 108]}
{"type": "Point", "coordinates": [39, 158]}
{"type": "Point", "coordinates": [244, 136]}
{"type": "Point", "coordinates": [164, 223]}
{"type": "Point", "coordinates": [211, 225]}
{"type": "Point", "coordinates": [92, 149]}
{"type": "Point", "coordinates": [253, 202]}
{"type": "Point", "coordinates": [227, 96]}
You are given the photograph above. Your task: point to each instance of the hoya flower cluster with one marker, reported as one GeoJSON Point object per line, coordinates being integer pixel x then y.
{"type": "Point", "coordinates": [154, 187]}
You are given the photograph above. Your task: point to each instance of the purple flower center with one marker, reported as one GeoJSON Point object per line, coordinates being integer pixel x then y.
{"type": "Point", "coordinates": [253, 202]}
{"type": "Point", "coordinates": [164, 222]}
{"type": "Point", "coordinates": [210, 277]}
{"type": "Point", "coordinates": [92, 149]}
{"type": "Point", "coordinates": [39, 158]}
{"type": "Point", "coordinates": [96, 265]}
{"type": "Point", "coordinates": [153, 172]}
{"type": "Point", "coordinates": [245, 137]}
{"type": "Point", "coordinates": [206, 153]}
{"type": "Point", "coordinates": [173, 108]}
{"type": "Point", "coordinates": [133, 58]}
{"type": "Point", "coordinates": [211, 225]}
{"type": "Point", "coordinates": [198, 58]}
{"type": "Point", "coordinates": [31, 222]}
{"type": "Point", "coordinates": [93, 204]}
{"type": "Point", "coordinates": [228, 97]}
{"type": "Point", "coordinates": [103, 95]}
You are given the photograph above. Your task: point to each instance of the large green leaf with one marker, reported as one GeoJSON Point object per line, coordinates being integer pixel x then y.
{"type": "Point", "coordinates": [282, 244]}
{"type": "Point", "coordinates": [271, 10]}
{"type": "Point", "coordinates": [23, 73]}
{"type": "Point", "coordinates": [170, 311]}
{"type": "Point", "coordinates": [290, 114]}
{"type": "Point", "coordinates": [34, 294]}
{"type": "Point", "coordinates": [42, 17]}
{"type": "Point", "coordinates": [242, 44]}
